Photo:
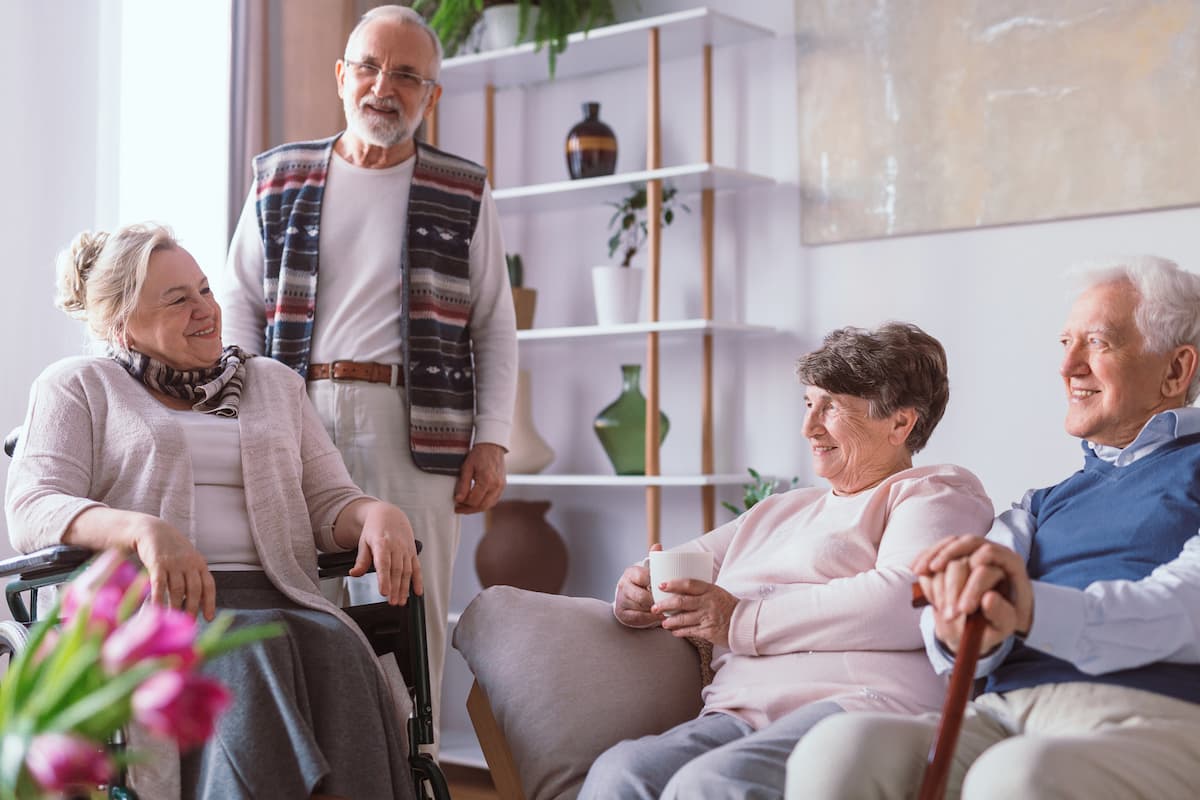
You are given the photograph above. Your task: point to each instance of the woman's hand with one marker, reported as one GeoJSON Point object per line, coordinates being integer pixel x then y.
{"type": "Point", "coordinates": [633, 600]}
{"type": "Point", "coordinates": [179, 575]}
{"type": "Point", "coordinates": [386, 540]}
{"type": "Point", "coordinates": [697, 608]}
{"type": "Point", "coordinates": [969, 573]}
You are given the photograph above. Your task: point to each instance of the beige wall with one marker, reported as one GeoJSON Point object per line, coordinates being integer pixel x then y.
{"type": "Point", "coordinates": [948, 114]}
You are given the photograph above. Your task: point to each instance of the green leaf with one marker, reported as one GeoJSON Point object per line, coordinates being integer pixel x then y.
{"type": "Point", "coordinates": [77, 715]}
{"type": "Point", "coordinates": [239, 638]}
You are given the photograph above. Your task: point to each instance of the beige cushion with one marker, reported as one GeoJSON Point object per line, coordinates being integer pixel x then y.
{"type": "Point", "coordinates": [567, 681]}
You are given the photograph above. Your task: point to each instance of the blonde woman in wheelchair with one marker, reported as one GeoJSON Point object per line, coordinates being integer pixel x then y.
{"type": "Point", "coordinates": [211, 467]}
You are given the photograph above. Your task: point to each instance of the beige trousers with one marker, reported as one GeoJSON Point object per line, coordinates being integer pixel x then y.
{"type": "Point", "coordinates": [1071, 740]}
{"type": "Point", "coordinates": [369, 424]}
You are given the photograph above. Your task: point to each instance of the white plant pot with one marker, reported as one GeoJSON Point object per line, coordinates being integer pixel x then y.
{"type": "Point", "coordinates": [500, 25]}
{"type": "Point", "coordinates": [618, 294]}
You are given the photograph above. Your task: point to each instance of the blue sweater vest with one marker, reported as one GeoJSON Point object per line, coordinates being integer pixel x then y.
{"type": "Point", "coordinates": [1112, 523]}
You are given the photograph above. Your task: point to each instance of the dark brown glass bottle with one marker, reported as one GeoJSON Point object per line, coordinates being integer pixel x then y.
{"type": "Point", "coordinates": [591, 146]}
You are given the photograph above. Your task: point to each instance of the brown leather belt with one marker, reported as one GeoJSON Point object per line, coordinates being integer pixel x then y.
{"type": "Point", "coordinates": [369, 371]}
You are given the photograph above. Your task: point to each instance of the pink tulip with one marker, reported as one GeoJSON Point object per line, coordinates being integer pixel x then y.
{"type": "Point", "coordinates": [153, 632]}
{"type": "Point", "coordinates": [49, 642]}
{"type": "Point", "coordinates": [61, 761]}
{"type": "Point", "coordinates": [180, 705]}
{"type": "Point", "coordinates": [101, 587]}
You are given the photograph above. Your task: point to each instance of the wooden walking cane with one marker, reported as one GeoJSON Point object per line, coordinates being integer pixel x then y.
{"type": "Point", "coordinates": [962, 678]}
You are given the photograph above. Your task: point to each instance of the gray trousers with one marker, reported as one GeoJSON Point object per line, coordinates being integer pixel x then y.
{"type": "Point", "coordinates": [713, 756]}
{"type": "Point", "coordinates": [1069, 740]}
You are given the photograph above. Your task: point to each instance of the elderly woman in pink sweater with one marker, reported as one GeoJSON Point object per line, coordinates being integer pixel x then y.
{"type": "Point", "coordinates": [808, 612]}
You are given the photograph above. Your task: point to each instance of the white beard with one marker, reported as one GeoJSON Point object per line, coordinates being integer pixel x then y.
{"type": "Point", "coordinates": [377, 130]}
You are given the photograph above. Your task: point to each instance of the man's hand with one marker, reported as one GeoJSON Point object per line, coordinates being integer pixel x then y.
{"type": "Point", "coordinates": [387, 541]}
{"type": "Point", "coordinates": [633, 599]}
{"type": "Point", "coordinates": [967, 573]}
{"type": "Point", "coordinates": [481, 479]}
{"type": "Point", "coordinates": [698, 608]}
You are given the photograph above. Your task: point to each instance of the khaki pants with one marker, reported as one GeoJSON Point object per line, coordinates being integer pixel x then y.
{"type": "Point", "coordinates": [369, 424]}
{"type": "Point", "coordinates": [1069, 740]}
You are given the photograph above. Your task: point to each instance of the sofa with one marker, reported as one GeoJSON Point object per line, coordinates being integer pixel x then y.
{"type": "Point", "coordinates": [558, 681]}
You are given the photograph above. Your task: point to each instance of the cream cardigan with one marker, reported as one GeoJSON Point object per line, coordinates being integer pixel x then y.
{"type": "Point", "coordinates": [95, 436]}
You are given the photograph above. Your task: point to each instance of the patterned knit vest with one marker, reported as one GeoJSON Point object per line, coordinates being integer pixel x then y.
{"type": "Point", "coordinates": [443, 209]}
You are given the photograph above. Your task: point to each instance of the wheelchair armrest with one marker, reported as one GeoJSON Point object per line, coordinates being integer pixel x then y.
{"type": "Point", "coordinates": [47, 561]}
{"type": "Point", "coordinates": [335, 565]}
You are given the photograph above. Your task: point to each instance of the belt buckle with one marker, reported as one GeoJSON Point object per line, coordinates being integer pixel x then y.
{"type": "Point", "coordinates": [333, 365]}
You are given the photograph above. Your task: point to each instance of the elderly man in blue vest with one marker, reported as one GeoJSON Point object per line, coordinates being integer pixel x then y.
{"type": "Point", "coordinates": [1092, 652]}
{"type": "Point", "coordinates": [382, 268]}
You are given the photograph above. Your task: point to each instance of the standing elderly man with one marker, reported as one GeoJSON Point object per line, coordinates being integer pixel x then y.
{"type": "Point", "coordinates": [382, 268]}
{"type": "Point", "coordinates": [1093, 674]}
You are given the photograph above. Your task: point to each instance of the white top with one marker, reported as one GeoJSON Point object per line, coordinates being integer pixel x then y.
{"type": "Point", "coordinates": [360, 293]}
{"type": "Point", "coordinates": [220, 524]}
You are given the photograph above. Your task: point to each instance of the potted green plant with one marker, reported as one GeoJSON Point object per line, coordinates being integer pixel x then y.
{"type": "Point", "coordinates": [618, 289]}
{"type": "Point", "coordinates": [524, 298]}
{"type": "Point", "coordinates": [547, 22]}
{"type": "Point", "coordinates": [758, 489]}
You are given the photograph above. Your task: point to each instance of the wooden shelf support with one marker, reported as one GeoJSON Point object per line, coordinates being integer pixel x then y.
{"type": "Point", "coordinates": [654, 255]}
{"type": "Point", "coordinates": [489, 132]}
{"type": "Point", "coordinates": [708, 494]}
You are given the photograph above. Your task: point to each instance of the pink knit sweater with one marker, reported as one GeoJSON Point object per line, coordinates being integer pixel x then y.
{"type": "Point", "coordinates": [824, 609]}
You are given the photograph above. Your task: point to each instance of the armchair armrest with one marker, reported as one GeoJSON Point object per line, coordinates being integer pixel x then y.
{"type": "Point", "coordinates": [565, 681]}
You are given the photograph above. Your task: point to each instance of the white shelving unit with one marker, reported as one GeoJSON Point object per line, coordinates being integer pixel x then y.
{"type": "Point", "coordinates": [559, 195]}
{"type": "Point", "coordinates": [641, 329]}
{"type": "Point", "coordinates": [645, 42]}
{"type": "Point", "coordinates": [626, 480]}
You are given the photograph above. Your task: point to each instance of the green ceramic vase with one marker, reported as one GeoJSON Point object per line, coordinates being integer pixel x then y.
{"type": "Point", "coordinates": [621, 426]}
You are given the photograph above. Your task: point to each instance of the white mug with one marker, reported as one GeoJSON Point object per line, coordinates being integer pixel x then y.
{"type": "Point", "coordinates": [673, 565]}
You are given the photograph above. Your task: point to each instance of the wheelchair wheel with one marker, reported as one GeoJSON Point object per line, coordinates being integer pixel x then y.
{"type": "Point", "coordinates": [13, 638]}
{"type": "Point", "coordinates": [431, 783]}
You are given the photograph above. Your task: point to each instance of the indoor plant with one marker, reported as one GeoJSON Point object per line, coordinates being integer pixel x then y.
{"type": "Point", "coordinates": [618, 289]}
{"type": "Point", "coordinates": [102, 665]}
{"type": "Point", "coordinates": [524, 298]}
{"type": "Point", "coordinates": [758, 489]}
{"type": "Point", "coordinates": [549, 26]}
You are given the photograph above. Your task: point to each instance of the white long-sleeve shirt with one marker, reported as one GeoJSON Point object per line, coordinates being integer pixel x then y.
{"type": "Point", "coordinates": [364, 213]}
{"type": "Point", "coordinates": [1109, 625]}
{"type": "Point", "coordinates": [824, 595]}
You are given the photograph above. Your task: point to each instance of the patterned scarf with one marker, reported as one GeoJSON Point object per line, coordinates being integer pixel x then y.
{"type": "Point", "coordinates": [215, 390]}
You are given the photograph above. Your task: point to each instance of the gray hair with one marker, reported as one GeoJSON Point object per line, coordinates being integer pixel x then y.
{"type": "Point", "coordinates": [100, 276]}
{"type": "Point", "coordinates": [404, 16]}
{"type": "Point", "coordinates": [895, 366]}
{"type": "Point", "coordinates": [1168, 308]}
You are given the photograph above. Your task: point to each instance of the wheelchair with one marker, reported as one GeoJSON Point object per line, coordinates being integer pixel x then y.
{"type": "Point", "coordinates": [398, 630]}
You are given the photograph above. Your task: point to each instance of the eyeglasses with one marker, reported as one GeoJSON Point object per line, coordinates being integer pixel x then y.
{"type": "Point", "coordinates": [369, 73]}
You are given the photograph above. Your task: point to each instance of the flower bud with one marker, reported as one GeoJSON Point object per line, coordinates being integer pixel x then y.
{"type": "Point", "coordinates": [153, 632]}
{"type": "Point", "coordinates": [100, 587]}
{"type": "Point", "coordinates": [180, 705]}
{"type": "Point", "coordinates": [60, 761]}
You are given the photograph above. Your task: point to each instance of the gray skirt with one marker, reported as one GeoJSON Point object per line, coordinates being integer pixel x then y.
{"type": "Point", "coordinates": [310, 711]}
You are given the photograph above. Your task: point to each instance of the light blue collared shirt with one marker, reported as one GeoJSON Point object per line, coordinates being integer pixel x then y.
{"type": "Point", "coordinates": [1110, 625]}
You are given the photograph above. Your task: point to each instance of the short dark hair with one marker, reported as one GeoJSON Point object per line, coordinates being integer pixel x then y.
{"type": "Point", "coordinates": [895, 366]}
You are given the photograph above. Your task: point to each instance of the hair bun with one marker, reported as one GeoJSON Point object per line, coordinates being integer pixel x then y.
{"type": "Point", "coordinates": [74, 266]}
